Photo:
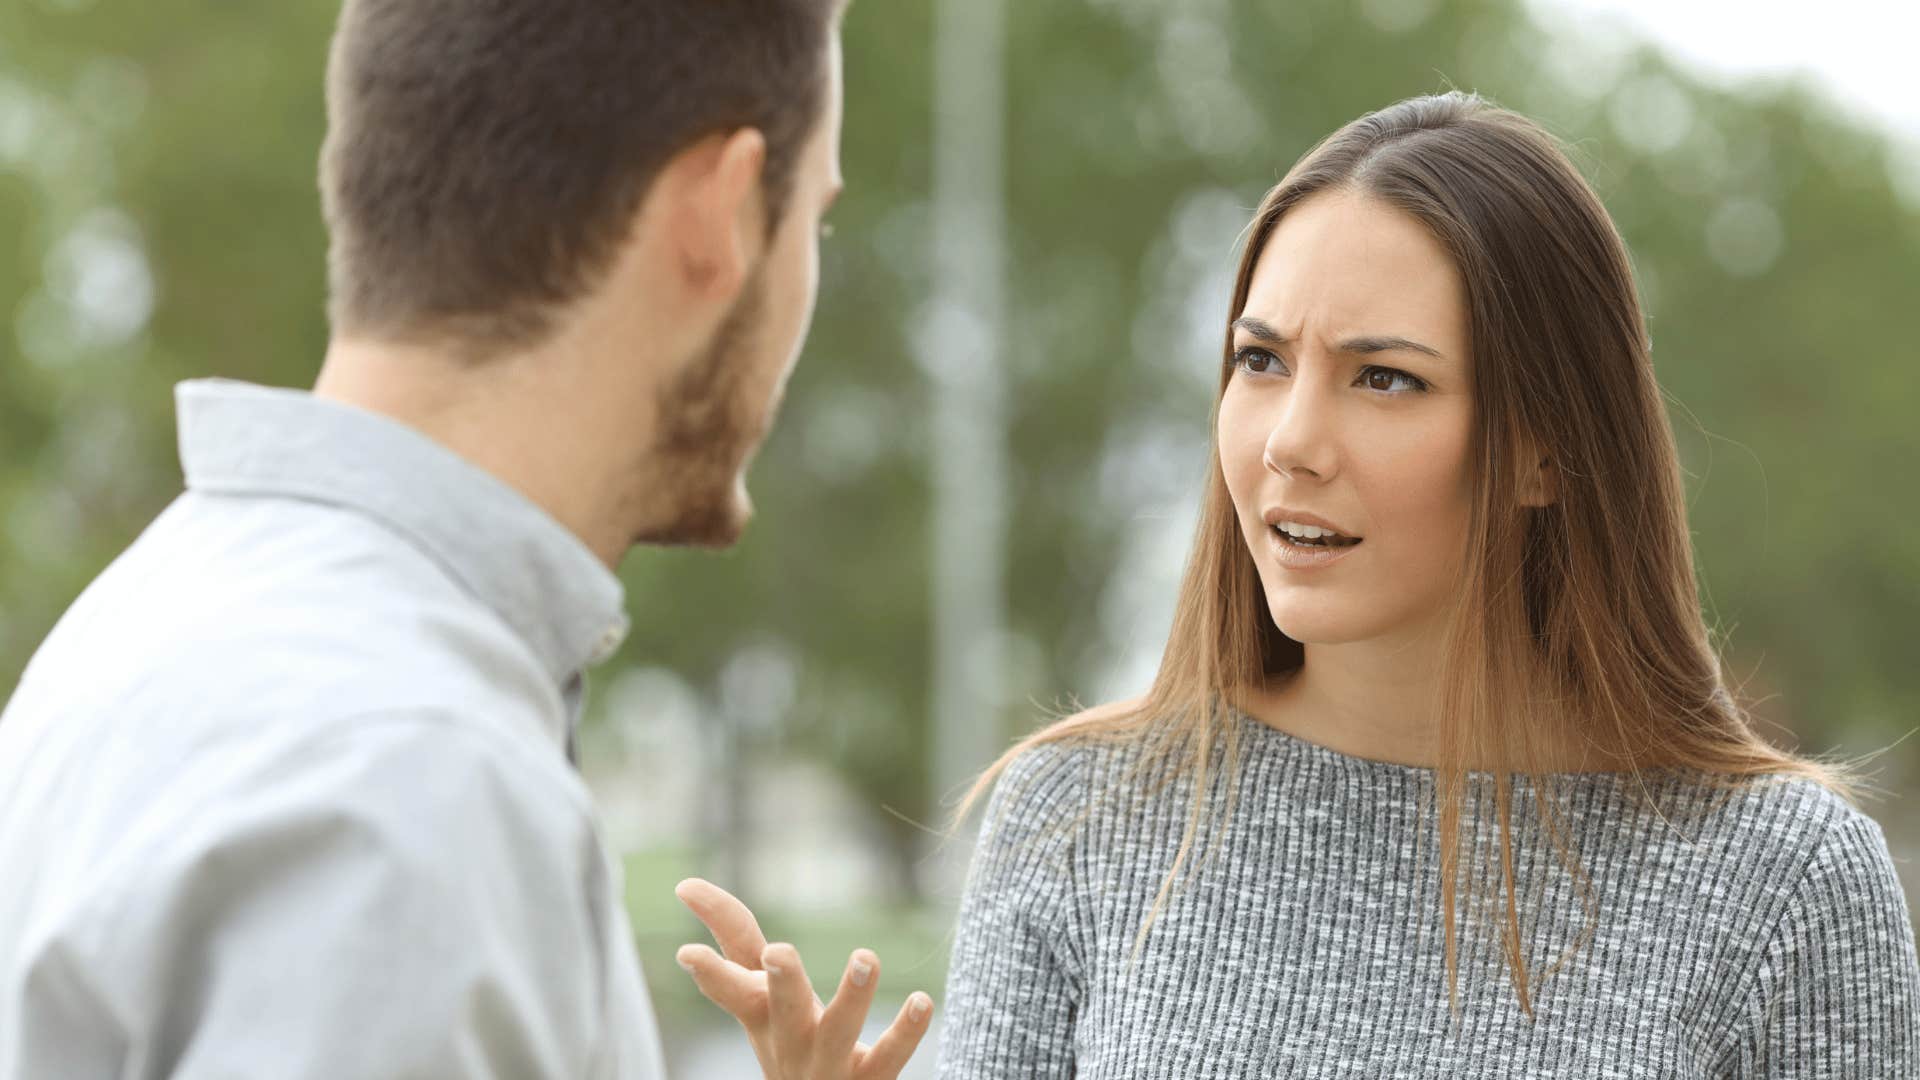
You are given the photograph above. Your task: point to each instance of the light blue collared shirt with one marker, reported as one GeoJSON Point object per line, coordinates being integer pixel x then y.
{"type": "Point", "coordinates": [285, 794]}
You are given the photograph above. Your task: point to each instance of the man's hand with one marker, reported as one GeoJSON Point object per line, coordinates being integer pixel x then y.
{"type": "Point", "coordinates": [765, 988]}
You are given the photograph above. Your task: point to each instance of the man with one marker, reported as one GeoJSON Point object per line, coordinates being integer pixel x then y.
{"type": "Point", "coordinates": [286, 793]}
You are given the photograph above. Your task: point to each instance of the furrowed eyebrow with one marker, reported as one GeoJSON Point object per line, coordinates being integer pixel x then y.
{"type": "Point", "coordinates": [1264, 331]}
{"type": "Point", "coordinates": [1260, 329]}
{"type": "Point", "coordinates": [1365, 345]}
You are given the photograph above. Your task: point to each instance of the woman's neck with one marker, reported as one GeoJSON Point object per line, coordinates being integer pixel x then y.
{"type": "Point", "coordinates": [1379, 700]}
{"type": "Point", "coordinates": [1367, 700]}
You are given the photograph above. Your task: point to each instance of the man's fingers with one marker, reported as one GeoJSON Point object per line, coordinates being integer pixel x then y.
{"type": "Point", "coordinates": [791, 1006]}
{"type": "Point", "coordinates": [741, 992]}
{"type": "Point", "coordinates": [891, 1050]}
{"type": "Point", "coordinates": [731, 923]}
{"type": "Point", "coordinates": [841, 1022]}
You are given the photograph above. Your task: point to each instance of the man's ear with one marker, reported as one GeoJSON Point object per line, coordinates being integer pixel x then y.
{"type": "Point", "coordinates": [1539, 481]}
{"type": "Point", "coordinates": [714, 211]}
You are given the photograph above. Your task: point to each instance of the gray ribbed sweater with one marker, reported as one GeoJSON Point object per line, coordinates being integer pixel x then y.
{"type": "Point", "coordinates": [1758, 934]}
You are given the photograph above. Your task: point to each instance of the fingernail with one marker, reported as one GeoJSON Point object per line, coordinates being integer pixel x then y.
{"type": "Point", "coordinates": [860, 973]}
{"type": "Point", "coordinates": [770, 958]}
{"type": "Point", "coordinates": [917, 1008]}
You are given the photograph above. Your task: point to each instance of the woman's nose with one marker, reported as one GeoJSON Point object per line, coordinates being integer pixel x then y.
{"type": "Point", "coordinates": [1301, 439]}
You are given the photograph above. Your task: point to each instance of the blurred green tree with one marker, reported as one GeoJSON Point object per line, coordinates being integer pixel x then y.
{"type": "Point", "coordinates": [173, 143]}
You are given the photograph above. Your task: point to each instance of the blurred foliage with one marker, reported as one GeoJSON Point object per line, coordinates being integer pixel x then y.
{"type": "Point", "coordinates": [173, 143]}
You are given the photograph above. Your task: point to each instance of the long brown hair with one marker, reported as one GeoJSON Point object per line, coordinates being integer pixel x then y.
{"type": "Point", "coordinates": [1605, 629]}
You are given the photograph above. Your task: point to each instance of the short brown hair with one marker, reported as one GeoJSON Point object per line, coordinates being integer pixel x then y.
{"type": "Point", "coordinates": [484, 157]}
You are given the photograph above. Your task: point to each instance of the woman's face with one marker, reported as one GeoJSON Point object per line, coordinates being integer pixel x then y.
{"type": "Point", "coordinates": [1349, 407]}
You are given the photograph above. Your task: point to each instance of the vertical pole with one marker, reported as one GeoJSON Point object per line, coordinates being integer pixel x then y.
{"type": "Point", "coordinates": [962, 359]}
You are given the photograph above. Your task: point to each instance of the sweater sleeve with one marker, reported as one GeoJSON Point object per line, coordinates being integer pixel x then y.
{"type": "Point", "coordinates": [1838, 989]}
{"type": "Point", "coordinates": [1015, 984]}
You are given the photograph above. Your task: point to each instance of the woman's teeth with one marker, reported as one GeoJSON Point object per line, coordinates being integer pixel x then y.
{"type": "Point", "coordinates": [1312, 535]}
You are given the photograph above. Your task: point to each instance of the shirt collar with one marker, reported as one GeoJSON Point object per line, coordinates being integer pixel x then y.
{"type": "Point", "coordinates": [241, 439]}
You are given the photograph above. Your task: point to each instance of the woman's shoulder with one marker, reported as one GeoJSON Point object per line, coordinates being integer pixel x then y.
{"type": "Point", "coordinates": [1052, 776]}
{"type": "Point", "coordinates": [1827, 835]}
{"type": "Point", "coordinates": [1781, 813]}
{"type": "Point", "coordinates": [1818, 924]}
{"type": "Point", "coordinates": [1782, 835]}
{"type": "Point", "coordinates": [1042, 779]}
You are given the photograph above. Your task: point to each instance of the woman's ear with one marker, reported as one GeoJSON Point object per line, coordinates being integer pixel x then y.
{"type": "Point", "coordinates": [1539, 481]}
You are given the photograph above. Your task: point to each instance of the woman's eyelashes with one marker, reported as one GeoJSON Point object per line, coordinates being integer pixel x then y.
{"type": "Point", "coordinates": [1388, 380]}
{"type": "Point", "coordinates": [1257, 361]}
{"type": "Point", "coordinates": [1382, 380]}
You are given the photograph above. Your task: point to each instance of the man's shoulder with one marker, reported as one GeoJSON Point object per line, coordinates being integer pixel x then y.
{"type": "Point", "coordinates": [412, 785]}
{"type": "Point", "coordinates": [424, 785]}
{"type": "Point", "coordinates": [273, 607]}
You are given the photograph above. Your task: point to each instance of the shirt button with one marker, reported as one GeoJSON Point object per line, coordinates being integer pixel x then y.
{"type": "Point", "coordinates": [609, 643]}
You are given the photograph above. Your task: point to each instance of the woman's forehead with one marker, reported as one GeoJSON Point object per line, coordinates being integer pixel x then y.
{"type": "Point", "coordinates": [1344, 264]}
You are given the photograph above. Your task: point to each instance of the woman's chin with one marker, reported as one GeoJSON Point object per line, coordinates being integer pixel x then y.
{"type": "Point", "coordinates": [1321, 627]}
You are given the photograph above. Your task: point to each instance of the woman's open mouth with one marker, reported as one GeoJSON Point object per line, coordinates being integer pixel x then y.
{"type": "Point", "coordinates": [1294, 534]}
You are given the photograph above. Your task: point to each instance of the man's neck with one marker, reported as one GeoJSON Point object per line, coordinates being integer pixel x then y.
{"type": "Point", "coordinates": [525, 431]}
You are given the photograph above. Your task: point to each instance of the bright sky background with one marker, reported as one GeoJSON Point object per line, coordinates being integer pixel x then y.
{"type": "Point", "coordinates": [1862, 51]}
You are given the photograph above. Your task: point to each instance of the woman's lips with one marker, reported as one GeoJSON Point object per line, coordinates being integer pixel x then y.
{"type": "Point", "coordinates": [1300, 557]}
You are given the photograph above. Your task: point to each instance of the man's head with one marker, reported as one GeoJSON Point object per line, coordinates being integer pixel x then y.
{"type": "Point", "coordinates": [631, 186]}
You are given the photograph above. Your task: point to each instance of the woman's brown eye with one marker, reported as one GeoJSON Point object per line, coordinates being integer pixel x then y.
{"type": "Point", "coordinates": [1382, 380]}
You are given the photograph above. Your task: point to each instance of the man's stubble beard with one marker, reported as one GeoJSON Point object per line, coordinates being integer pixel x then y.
{"type": "Point", "coordinates": [708, 428]}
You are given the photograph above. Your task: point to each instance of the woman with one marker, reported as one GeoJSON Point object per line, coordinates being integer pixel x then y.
{"type": "Point", "coordinates": [1439, 776]}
